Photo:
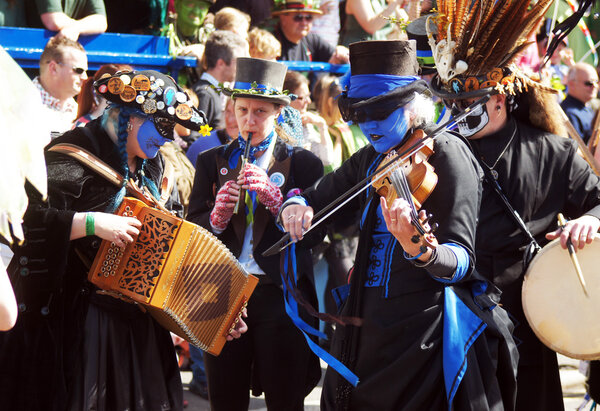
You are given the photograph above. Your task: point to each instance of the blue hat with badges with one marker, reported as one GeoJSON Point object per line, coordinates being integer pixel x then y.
{"type": "Point", "coordinates": [156, 95]}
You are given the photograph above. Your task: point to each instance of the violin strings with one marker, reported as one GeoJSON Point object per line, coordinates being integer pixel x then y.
{"type": "Point", "coordinates": [403, 189]}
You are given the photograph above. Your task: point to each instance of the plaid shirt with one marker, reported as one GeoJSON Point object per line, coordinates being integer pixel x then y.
{"type": "Point", "coordinates": [53, 103]}
{"type": "Point", "coordinates": [60, 116]}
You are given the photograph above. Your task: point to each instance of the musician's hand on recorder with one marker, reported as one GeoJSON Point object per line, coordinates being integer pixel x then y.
{"type": "Point", "coordinates": [225, 202]}
{"type": "Point", "coordinates": [257, 180]}
{"type": "Point", "coordinates": [240, 327]}
{"type": "Point", "coordinates": [296, 219]}
{"type": "Point", "coordinates": [115, 228]}
{"type": "Point", "coordinates": [581, 231]}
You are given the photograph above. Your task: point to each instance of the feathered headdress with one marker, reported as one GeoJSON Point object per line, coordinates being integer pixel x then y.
{"type": "Point", "coordinates": [478, 40]}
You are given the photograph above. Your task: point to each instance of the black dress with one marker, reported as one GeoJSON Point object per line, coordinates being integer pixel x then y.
{"type": "Point", "coordinates": [541, 175]}
{"type": "Point", "coordinates": [71, 347]}
{"type": "Point", "coordinates": [398, 353]}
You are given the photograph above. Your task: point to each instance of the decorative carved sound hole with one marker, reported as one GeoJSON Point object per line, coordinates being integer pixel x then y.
{"type": "Point", "coordinates": [149, 251]}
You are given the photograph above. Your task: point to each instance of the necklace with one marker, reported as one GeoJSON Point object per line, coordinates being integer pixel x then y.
{"type": "Point", "coordinates": [494, 172]}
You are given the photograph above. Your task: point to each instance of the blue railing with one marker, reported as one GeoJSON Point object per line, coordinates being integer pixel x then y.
{"type": "Point", "coordinates": [25, 45]}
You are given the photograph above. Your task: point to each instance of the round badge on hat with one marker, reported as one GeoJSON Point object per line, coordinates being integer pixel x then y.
{"type": "Point", "coordinates": [125, 79]}
{"type": "Point", "coordinates": [141, 82]}
{"type": "Point", "coordinates": [224, 171]}
{"type": "Point", "coordinates": [149, 106]}
{"type": "Point", "coordinates": [115, 85]}
{"type": "Point", "coordinates": [183, 112]}
{"type": "Point", "coordinates": [169, 96]}
{"type": "Point", "coordinates": [128, 94]}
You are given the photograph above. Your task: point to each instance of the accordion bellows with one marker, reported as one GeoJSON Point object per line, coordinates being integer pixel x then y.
{"type": "Point", "coordinates": [182, 274]}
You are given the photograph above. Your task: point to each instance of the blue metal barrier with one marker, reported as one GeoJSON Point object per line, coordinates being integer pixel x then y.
{"type": "Point", "coordinates": [317, 66]}
{"type": "Point", "coordinates": [25, 45]}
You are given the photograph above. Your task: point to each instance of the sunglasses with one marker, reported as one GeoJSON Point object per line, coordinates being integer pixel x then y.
{"type": "Point", "coordinates": [77, 70]}
{"type": "Point", "coordinates": [590, 83]}
{"type": "Point", "coordinates": [306, 17]}
{"type": "Point", "coordinates": [460, 104]}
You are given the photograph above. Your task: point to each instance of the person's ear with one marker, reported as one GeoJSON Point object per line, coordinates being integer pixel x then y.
{"type": "Point", "coordinates": [498, 101]}
{"type": "Point", "coordinates": [52, 67]}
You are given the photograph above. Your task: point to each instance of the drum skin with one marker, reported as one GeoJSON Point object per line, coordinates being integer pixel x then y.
{"type": "Point", "coordinates": [558, 311]}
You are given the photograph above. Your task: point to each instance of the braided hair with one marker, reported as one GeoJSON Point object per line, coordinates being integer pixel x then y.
{"type": "Point", "coordinates": [125, 114]}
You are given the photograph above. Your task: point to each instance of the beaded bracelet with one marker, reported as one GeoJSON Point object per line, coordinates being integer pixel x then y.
{"type": "Point", "coordinates": [408, 257]}
{"type": "Point", "coordinates": [90, 226]}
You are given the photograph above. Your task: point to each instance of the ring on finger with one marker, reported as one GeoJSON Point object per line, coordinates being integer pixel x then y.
{"type": "Point", "coordinates": [291, 216]}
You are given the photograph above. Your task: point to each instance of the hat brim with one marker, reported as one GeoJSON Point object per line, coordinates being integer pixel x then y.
{"type": "Point", "coordinates": [290, 11]}
{"type": "Point", "coordinates": [276, 99]}
{"type": "Point", "coordinates": [444, 94]}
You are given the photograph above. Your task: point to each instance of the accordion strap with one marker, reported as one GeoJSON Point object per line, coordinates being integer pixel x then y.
{"type": "Point", "coordinates": [90, 160]}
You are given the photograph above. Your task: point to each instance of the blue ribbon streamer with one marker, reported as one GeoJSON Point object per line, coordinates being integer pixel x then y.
{"type": "Point", "coordinates": [291, 307]}
{"type": "Point", "coordinates": [461, 328]}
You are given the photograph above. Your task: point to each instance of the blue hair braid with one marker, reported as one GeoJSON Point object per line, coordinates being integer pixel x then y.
{"type": "Point", "coordinates": [149, 183]}
{"type": "Point", "coordinates": [124, 117]}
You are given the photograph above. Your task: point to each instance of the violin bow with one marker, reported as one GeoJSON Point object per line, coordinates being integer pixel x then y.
{"type": "Point", "coordinates": [366, 182]}
{"type": "Point", "coordinates": [244, 161]}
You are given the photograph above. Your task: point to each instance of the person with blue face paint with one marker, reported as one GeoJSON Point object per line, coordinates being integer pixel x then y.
{"type": "Point", "coordinates": [77, 338]}
{"type": "Point", "coordinates": [424, 342]}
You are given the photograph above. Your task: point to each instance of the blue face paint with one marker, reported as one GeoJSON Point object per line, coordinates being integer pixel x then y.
{"type": "Point", "coordinates": [150, 139]}
{"type": "Point", "coordinates": [386, 134]}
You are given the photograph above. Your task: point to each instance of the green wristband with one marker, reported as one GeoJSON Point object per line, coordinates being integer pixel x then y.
{"type": "Point", "coordinates": [90, 226]}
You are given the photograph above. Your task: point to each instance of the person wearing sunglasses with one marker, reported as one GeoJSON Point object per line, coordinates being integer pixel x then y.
{"type": "Point", "coordinates": [532, 172]}
{"type": "Point", "coordinates": [582, 88]}
{"type": "Point", "coordinates": [401, 286]}
{"type": "Point", "coordinates": [63, 69]}
{"type": "Point", "coordinates": [293, 32]}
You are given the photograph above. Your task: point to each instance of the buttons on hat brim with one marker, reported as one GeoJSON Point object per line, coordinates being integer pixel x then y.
{"type": "Point", "coordinates": [150, 94]}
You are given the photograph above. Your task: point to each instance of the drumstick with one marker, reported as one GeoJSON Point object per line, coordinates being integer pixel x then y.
{"type": "Point", "coordinates": [573, 255]}
{"type": "Point", "coordinates": [244, 160]}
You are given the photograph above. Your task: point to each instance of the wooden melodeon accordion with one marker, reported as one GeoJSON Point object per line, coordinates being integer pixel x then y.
{"type": "Point", "coordinates": [181, 273]}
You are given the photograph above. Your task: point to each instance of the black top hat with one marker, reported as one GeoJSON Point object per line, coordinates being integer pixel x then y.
{"type": "Point", "coordinates": [260, 79]}
{"type": "Point", "coordinates": [154, 93]}
{"type": "Point", "coordinates": [395, 57]}
{"type": "Point", "coordinates": [417, 31]}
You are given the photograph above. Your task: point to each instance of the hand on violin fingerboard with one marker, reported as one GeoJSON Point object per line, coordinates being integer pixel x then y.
{"type": "Point", "coordinates": [399, 223]}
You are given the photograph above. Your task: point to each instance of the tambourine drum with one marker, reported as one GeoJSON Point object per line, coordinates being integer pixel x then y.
{"type": "Point", "coordinates": [558, 311]}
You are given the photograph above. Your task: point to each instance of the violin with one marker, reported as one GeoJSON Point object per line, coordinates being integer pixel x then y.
{"type": "Point", "coordinates": [362, 185]}
{"type": "Point", "coordinates": [413, 179]}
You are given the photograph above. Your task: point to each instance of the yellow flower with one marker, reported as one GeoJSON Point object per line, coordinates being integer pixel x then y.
{"type": "Point", "coordinates": [205, 130]}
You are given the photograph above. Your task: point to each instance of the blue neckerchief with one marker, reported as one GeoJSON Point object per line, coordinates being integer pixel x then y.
{"type": "Point", "coordinates": [236, 153]}
{"type": "Point", "coordinates": [262, 146]}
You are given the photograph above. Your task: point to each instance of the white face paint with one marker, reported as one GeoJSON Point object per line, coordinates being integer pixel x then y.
{"type": "Point", "coordinates": [474, 122]}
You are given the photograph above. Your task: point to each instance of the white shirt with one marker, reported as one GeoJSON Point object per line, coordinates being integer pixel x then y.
{"type": "Point", "coordinates": [246, 258]}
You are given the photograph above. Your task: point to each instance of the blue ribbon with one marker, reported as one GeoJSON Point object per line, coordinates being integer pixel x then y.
{"type": "Point", "coordinates": [461, 328]}
{"type": "Point", "coordinates": [291, 307]}
{"type": "Point", "coordinates": [240, 85]}
{"type": "Point", "coordinates": [370, 85]}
